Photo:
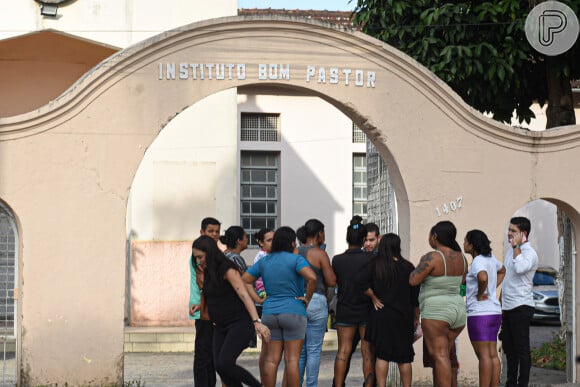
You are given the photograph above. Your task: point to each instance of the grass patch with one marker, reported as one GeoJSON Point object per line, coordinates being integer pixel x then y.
{"type": "Point", "coordinates": [550, 355]}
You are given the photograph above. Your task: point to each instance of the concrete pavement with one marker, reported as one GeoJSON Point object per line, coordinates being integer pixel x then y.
{"type": "Point", "coordinates": [175, 370]}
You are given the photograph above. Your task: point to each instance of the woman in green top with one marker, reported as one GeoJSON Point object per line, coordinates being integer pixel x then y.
{"type": "Point", "coordinates": [443, 316]}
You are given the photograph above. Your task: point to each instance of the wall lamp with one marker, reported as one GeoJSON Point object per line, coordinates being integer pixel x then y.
{"type": "Point", "coordinates": [48, 10]}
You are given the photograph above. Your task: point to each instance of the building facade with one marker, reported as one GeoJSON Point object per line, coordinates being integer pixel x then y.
{"type": "Point", "coordinates": [143, 146]}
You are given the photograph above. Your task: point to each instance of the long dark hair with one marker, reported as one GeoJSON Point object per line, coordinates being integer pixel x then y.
{"type": "Point", "coordinates": [232, 236]}
{"type": "Point", "coordinates": [481, 244]}
{"type": "Point", "coordinates": [446, 234]}
{"type": "Point", "coordinates": [389, 249]}
{"type": "Point", "coordinates": [214, 258]}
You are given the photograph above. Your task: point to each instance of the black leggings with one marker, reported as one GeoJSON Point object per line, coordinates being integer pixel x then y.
{"type": "Point", "coordinates": [228, 343]}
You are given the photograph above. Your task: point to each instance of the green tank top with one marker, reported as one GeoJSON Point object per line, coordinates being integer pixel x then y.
{"type": "Point", "coordinates": [435, 286]}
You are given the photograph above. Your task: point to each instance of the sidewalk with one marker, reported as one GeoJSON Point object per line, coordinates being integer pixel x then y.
{"type": "Point", "coordinates": [175, 370]}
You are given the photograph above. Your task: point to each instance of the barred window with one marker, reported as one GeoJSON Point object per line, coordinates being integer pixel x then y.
{"type": "Point", "coordinates": [358, 136]}
{"type": "Point", "coordinates": [7, 272]}
{"type": "Point", "coordinates": [260, 127]}
{"type": "Point", "coordinates": [259, 191]}
{"type": "Point", "coordinates": [359, 185]}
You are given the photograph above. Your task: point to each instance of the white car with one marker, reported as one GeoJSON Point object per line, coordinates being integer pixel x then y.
{"type": "Point", "coordinates": [546, 295]}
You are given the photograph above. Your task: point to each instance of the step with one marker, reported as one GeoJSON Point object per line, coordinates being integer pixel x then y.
{"type": "Point", "coordinates": [181, 339]}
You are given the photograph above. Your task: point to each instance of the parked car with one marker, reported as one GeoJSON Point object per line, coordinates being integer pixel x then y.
{"type": "Point", "coordinates": [546, 295]}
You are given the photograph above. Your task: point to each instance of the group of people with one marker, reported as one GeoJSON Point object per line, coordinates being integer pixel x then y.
{"type": "Point", "coordinates": [383, 301]}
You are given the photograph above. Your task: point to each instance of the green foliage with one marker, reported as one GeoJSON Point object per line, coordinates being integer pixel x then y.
{"type": "Point", "coordinates": [550, 355]}
{"type": "Point", "coordinates": [479, 48]}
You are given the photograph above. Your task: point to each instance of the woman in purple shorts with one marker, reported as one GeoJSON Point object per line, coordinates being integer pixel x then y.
{"type": "Point", "coordinates": [483, 307]}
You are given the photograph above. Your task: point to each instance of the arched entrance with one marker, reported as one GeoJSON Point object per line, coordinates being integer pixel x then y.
{"type": "Point", "coordinates": [88, 144]}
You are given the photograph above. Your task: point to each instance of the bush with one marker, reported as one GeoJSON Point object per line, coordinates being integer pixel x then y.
{"type": "Point", "coordinates": [550, 355]}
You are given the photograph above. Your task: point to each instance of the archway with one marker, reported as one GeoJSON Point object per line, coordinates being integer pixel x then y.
{"type": "Point", "coordinates": [87, 145]}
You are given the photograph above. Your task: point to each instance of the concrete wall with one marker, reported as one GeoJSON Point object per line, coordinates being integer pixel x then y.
{"type": "Point", "coordinates": [67, 168]}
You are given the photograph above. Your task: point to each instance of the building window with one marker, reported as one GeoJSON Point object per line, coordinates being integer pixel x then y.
{"type": "Point", "coordinates": [263, 127]}
{"type": "Point", "coordinates": [259, 191]}
{"type": "Point", "coordinates": [7, 272]}
{"type": "Point", "coordinates": [358, 136]}
{"type": "Point", "coordinates": [359, 185]}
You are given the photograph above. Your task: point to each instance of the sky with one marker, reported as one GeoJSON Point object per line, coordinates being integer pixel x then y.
{"type": "Point", "coordinates": [329, 5]}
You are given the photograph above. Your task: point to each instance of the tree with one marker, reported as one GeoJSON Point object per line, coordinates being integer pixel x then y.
{"type": "Point", "coordinates": [480, 49]}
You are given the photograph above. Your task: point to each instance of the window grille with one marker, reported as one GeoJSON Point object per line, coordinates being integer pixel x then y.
{"type": "Point", "coordinates": [259, 191]}
{"type": "Point", "coordinates": [359, 185]}
{"type": "Point", "coordinates": [382, 204]}
{"type": "Point", "coordinates": [263, 127]}
{"type": "Point", "coordinates": [7, 273]}
{"type": "Point", "coordinates": [358, 136]}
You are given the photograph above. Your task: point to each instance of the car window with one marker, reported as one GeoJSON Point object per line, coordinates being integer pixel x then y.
{"type": "Point", "coordinates": [542, 279]}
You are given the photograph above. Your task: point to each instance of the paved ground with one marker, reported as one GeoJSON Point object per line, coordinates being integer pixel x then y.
{"type": "Point", "coordinates": [175, 370]}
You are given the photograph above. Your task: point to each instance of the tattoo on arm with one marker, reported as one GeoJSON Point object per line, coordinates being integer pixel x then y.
{"type": "Point", "coordinates": [424, 263]}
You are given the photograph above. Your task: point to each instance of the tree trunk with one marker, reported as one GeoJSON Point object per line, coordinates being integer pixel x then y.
{"type": "Point", "coordinates": [560, 109]}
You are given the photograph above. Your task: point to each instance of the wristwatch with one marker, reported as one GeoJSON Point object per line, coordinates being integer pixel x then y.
{"type": "Point", "coordinates": [257, 321]}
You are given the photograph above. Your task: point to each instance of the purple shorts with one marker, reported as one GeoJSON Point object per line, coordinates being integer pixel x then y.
{"type": "Point", "coordinates": [483, 328]}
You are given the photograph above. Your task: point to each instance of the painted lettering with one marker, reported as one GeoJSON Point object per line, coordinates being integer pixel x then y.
{"type": "Point", "coordinates": [334, 75]}
{"type": "Point", "coordinates": [322, 75]}
{"type": "Point", "coordinates": [371, 77]}
{"type": "Point", "coordinates": [359, 78]}
{"type": "Point", "coordinates": [346, 73]}
{"type": "Point", "coordinates": [262, 72]}
{"type": "Point", "coordinates": [209, 67]}
{"type": "Point", "coordinates": [285, 72]}
{"type": "Point", "coordinates": [183, 71]}
{"type": "Point", "coordinates": [230, 66]}
{"type": "Point", "coordinates": [266, 71]}
{"type": "Point", "coordinates": [220, 71]}
{"type": "Point", "coordinates": [241, 71]}
{"type": "Point", "coordinates": [194, 67]}
{"type": "Point", "coordinates": [273, 72]}
{"type": "Point", "coordinates": [310, 72]}
{"type": "Point", "coordinates": [170, 70]}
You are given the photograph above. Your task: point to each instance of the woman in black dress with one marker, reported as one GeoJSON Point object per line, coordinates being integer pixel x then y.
{"type": "Point", "coordinates": [395, 315]}
{"type": "Point", "coordinates": [353, 307]}
{"type": "Point", "coordinates": [231, 310]}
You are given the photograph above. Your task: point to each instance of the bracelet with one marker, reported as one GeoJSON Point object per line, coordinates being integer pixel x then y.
{"type": "Point", "coordinates": [518, 247]}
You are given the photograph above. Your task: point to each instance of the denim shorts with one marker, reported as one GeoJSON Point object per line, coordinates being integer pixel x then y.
{"type": "Point", "coordinates": [285, 326]}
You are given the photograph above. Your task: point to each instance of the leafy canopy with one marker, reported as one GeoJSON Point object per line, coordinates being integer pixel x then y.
{"type": "Point", "coordinates": [479, 48]}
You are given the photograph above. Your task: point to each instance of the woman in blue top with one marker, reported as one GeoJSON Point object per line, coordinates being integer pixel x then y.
{"type": "Point", "coordinates": [284, 311]}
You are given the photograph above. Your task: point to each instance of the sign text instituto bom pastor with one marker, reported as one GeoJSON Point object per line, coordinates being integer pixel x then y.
{"type": "Point", "coordinates": [266, 72]}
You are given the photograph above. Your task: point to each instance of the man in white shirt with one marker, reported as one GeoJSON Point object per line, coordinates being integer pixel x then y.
{"type": "Point", "coordinates": [521, 262]}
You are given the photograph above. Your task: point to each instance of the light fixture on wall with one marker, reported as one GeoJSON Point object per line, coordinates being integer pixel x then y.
{"type": "Point", "coordinates": [50, 7]}
{"type": "Point", "coordinates": [49, 10]}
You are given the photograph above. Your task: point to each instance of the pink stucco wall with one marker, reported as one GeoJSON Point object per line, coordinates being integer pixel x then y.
{"type": "Point", "coordinates": [160, 283]}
